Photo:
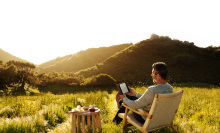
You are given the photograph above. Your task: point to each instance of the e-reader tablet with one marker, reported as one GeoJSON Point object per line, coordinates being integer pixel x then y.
{"type": "Point", "coordinates": [124, 88]}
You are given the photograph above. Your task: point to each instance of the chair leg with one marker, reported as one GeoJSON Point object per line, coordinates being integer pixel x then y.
{"type": "Point", "coordinates": [117, 98]}
{"type": "Point", "coordinates": [125, 118]}
{"type": "Point", "coordinates": [174, 129]}
{"type": "Point", "coordinates": [143, 130]}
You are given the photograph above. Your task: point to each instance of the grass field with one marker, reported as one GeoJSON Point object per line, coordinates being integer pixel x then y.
{"type": "Point", "coordinates": [199, 111]}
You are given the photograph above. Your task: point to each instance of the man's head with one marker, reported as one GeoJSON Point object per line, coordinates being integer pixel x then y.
{"type": "Point", "coordinates": [159, 71]}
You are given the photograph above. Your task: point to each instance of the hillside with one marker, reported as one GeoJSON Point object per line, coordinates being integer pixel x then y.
{"type": "Point", "coordinates": [5, 57]}
{"type": "Point", "coordinates": [81, 60]}
{"type": "Point", "coordinates": [186, 62]}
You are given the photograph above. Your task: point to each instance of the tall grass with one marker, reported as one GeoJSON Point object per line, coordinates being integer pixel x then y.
{"type": "Point", "coordinates": [47, 112]}
{"type": "Point", "coordinates": [200, 110]}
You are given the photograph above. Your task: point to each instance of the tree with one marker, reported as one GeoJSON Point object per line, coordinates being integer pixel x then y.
{"type": "Point", "coordinates": [7, 76]}
{"type": "Point", "coordinates": [24, 74]}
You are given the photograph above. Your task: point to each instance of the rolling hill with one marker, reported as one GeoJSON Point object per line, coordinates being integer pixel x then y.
{"type": "Point", "coordinates": [132, 62]}
{"type": "Point", "coordinates": [5, 56]}
{"type": "Point", "coordinates": [81, 60]}
{"type": "Point", "coordinates": [186, 62]}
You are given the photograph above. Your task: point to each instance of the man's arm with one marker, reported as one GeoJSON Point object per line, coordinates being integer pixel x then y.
{"type": "Point", "coordinates": [143, 101]}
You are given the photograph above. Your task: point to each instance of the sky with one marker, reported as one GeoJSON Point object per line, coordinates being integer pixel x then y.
{"type": "Point", "coordinates": [42, 30]}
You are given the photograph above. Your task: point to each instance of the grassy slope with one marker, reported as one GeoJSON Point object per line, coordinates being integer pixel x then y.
{"type": "Point", "coordinates": [5, 57]}
{"type": "Point", "coordinates": [80, 60]}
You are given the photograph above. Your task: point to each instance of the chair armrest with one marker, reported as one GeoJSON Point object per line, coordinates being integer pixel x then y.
{"type": "Point", "coordinates": [144, 114]}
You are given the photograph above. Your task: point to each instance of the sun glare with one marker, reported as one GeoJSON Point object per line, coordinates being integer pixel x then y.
{"type": "Point", "coordinates": [40, 31]}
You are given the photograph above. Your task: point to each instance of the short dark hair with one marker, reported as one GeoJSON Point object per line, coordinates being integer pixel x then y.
{"type": "Point", "coordinates": [160, 68]}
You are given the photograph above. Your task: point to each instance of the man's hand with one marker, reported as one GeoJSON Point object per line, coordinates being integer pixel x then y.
{"type": "Point", "coordinates": [132, 92]}
{"type": "Point", "coordinates": [122, 96]}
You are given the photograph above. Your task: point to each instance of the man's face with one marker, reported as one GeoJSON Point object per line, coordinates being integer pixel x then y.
{"type": "Point", "coordinates": [154, 76]}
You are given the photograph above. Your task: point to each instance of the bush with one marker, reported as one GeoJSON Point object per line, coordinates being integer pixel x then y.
{"type": "Point", "coordinates": [100, 80]}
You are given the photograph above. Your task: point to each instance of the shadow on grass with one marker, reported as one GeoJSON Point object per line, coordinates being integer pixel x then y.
{"type": "Point", "coordinates": [56, 89]}
{"type": "Point", "coordinates": [195, 85]}
{"type": "Point", "coordinates": [59, 89]}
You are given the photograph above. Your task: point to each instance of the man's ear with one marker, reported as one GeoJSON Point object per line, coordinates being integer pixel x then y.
{"type": "Point", "coordinates": [158, 76]}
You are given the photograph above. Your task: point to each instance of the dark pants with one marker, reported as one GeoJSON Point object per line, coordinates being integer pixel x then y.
{"type": "Point", "coordinates": [138, 117]}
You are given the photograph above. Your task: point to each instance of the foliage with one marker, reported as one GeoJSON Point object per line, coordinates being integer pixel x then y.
{"type": "Point", "coordinates": [16, 74]}
{"type": "Point", "coordinates": [60, 78]}
{"type": "Point", "coordinates": [6, 76]}
{"type": "Point", "coordinates": [100, 80]}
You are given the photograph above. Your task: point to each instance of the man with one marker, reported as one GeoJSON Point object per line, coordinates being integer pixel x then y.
{"type": "Point", "coordinates": [143, 102]}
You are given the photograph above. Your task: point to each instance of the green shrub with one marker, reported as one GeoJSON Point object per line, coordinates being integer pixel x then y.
{"type": "Point", "coordinates": [100, 80]}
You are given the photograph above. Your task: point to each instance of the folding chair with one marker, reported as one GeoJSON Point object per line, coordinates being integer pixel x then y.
{"type": "Point", "coordinates": [161, 114]}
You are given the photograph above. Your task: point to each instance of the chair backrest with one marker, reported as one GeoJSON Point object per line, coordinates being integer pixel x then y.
{"type": "Point", "coordinates": [163, 110]}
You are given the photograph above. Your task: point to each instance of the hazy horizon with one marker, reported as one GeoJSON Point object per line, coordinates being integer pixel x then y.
{"type": "Point", "coordinates": [39, 31]}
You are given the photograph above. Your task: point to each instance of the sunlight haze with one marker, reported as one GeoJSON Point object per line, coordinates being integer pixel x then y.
{"type": "Point", "coordinates": [42, 30]}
